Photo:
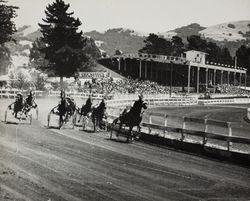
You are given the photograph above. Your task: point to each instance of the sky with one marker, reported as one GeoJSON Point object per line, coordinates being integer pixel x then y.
{"type": "Point", "coordinates": [150, 16]}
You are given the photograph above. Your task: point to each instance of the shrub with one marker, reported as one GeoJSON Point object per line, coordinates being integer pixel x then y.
{"type": "Point", "coordinates": [240, 32]}
{"type": "Point", "coordinates": [232, 26]}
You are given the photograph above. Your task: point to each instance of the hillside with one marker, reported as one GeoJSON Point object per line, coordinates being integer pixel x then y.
{"type": "Point", "coordinates": [231, 31]}
{"type": "Point", "coordinates": [183, 32]}
{"type": "Point", "coordinates": [231, 35]}
{"type": "Point", "coordinates": [125, 40]}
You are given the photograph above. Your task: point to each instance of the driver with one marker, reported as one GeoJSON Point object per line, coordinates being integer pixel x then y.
{"type": "Point", "coordinates": [62, 106]}
{"type": "Point", "coordinates": [29, 102]}
{"type": "Point", "coordinates": [86, 108]}
{"type": "Point", "coordinates": [138, 105]}
{"type": "Point", "coordinates": [101, 112]}
{"type": "Point", "coordinates": [18, 104]}
{"type": "Point", "coordinates": [71, 105]}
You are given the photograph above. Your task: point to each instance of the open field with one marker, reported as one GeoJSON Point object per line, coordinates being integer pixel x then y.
{"type": "Point", "coordinates": [37, 164]}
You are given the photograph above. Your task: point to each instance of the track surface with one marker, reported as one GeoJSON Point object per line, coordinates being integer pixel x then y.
{"type": "Point", "coordinates": [37, 163]}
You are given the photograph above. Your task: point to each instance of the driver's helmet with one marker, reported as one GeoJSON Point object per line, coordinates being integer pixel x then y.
{"type": "Point", "coordinates": [19, 94]}
{"type": "Point", "coordinates": [31, 92]}
{"type": "Point", "coordinates": [141, 96]}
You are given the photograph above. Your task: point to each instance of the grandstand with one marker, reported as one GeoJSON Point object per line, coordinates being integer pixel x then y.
{"type": "Point", "coordinates": [190, 73]}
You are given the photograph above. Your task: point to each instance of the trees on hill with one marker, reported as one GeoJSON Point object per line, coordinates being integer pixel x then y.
{"type": "Point", "coordinates": [63, 43]}
{"type": "Point", "coordinates": [196, 43]}
{"type": "Point", "coordinates": [158, 45]}
{"type": "Point", "coordinates": [215, 53]}
{"type": "Point", "coordinates": [177, 46]}
{"type": "Point", "coordinates": [243, 57]}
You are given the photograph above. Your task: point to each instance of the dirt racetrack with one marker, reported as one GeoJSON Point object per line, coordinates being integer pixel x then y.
{"type": "Point", "coordinates": [41, 164]}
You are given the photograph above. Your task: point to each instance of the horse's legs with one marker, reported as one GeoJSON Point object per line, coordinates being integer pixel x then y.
{"type": "Point", "coordinates": [129, 138]}
{"type": "Point", "coordinates": [60, 121]}
{"type": "Point", "coordinates": [120, 125]}
{"type": "Point", "coordinates": [80, 118]}
{"type": "Point", "coordinates": [94, 123]}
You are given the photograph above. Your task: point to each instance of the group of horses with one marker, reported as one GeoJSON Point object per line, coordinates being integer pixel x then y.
{"type": "Point", "coordinates": [68, 111]}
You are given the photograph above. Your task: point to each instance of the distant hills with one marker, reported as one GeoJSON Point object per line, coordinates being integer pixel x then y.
{"type": "Point", "coordinates": [183, 32]}
{"type": "Point", "coordinates": [231, 35]}
{"type": "Point", "coordinates": [122, 39]}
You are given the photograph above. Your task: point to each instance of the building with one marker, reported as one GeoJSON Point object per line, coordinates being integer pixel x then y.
{"type": "Point", "coordinates": [190, 73]}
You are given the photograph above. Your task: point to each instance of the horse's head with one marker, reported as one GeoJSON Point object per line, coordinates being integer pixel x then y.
{"type": "Point", "coordinates": [144, 106]}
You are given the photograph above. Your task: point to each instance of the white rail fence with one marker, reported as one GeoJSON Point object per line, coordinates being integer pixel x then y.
{"type": "Point", "coordinates": [185, 129]}
{"type": "Point", "coordinates": [204, 133]}
{"type": "Point", "coordinates": [224, 101]}
{"type": "Point", "coordinates": [154, 102]}
{"type": "Point", "coordinates": [11, 93]}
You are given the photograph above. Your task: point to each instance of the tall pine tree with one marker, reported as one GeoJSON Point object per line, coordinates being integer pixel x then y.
{"type": "Point", "coordinates": [63, 42]}
{"type": "Point", "coordinates": [7, 28]}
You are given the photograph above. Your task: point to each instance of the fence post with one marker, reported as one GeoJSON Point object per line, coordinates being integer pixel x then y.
{"type": "Point", "coordinates": [229, 143]}
{"type": "Point", "coordinates": [183, 127]}
{"type": "Point", "coordinates": [165, 124]}
{"type": "Point", "coordinates": [205, 131]}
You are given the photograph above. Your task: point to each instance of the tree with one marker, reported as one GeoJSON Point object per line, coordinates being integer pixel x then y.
{"type": "Point", "coordinates": [213, 52]}
{"type": "Point", "coordinates": [177, 46]}
{"type": "Point", "coordinates": [196, 43]}
{"type": "Point", "coordinates": [38, 79]}
{"type": "Point", "coordinates": [63, 44]}
{"type": "Point", "coordinates": [5, 59]}
{"type": "Point", "coordinates": [156, 45]}
{"type": "Point", "coordinates": [37, 58]}
{"type": "Point", "coordinates": [7, 28]}
{"type": "Point", "coordinates": [225, 56]}
{"type": "Point", "coordinates": [243, 57]}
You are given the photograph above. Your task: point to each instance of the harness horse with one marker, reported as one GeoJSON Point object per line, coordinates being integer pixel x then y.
{"type": "Point", "coordinates": [99, 117]}
{"type": "Point", "coordinates": [65, 110]}
{"type": "Point", "coordinates": [130, 119]}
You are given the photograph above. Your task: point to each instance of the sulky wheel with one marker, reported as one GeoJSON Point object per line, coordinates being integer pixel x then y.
{"type": "Point", "coordinates": [30, 117]}
{"type": "Point", "coordinates": [111, 132]}
{"type": "Point", "coordinates": [49, 119]}
{"type": "Point", "coordinates": [37, 113]}
{"type": "Point", "coordinates": [5, 115]}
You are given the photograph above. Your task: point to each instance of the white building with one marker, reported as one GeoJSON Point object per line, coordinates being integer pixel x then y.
{"type": "Point", "coordinates": [196, 56]}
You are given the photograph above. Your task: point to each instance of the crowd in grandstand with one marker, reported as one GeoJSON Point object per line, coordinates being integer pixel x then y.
{"type": "Point", "coordinates": [128, 85]}
{"type": "Point", "coordinates": [124, 86]}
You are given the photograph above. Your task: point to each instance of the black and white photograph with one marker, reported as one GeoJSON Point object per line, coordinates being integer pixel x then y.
{"type": "Point", "coordinates": [124, 100]}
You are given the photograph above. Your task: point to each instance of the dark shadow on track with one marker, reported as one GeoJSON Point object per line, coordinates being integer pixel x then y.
{"type": "Point", "coordinates": [15, 123]}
